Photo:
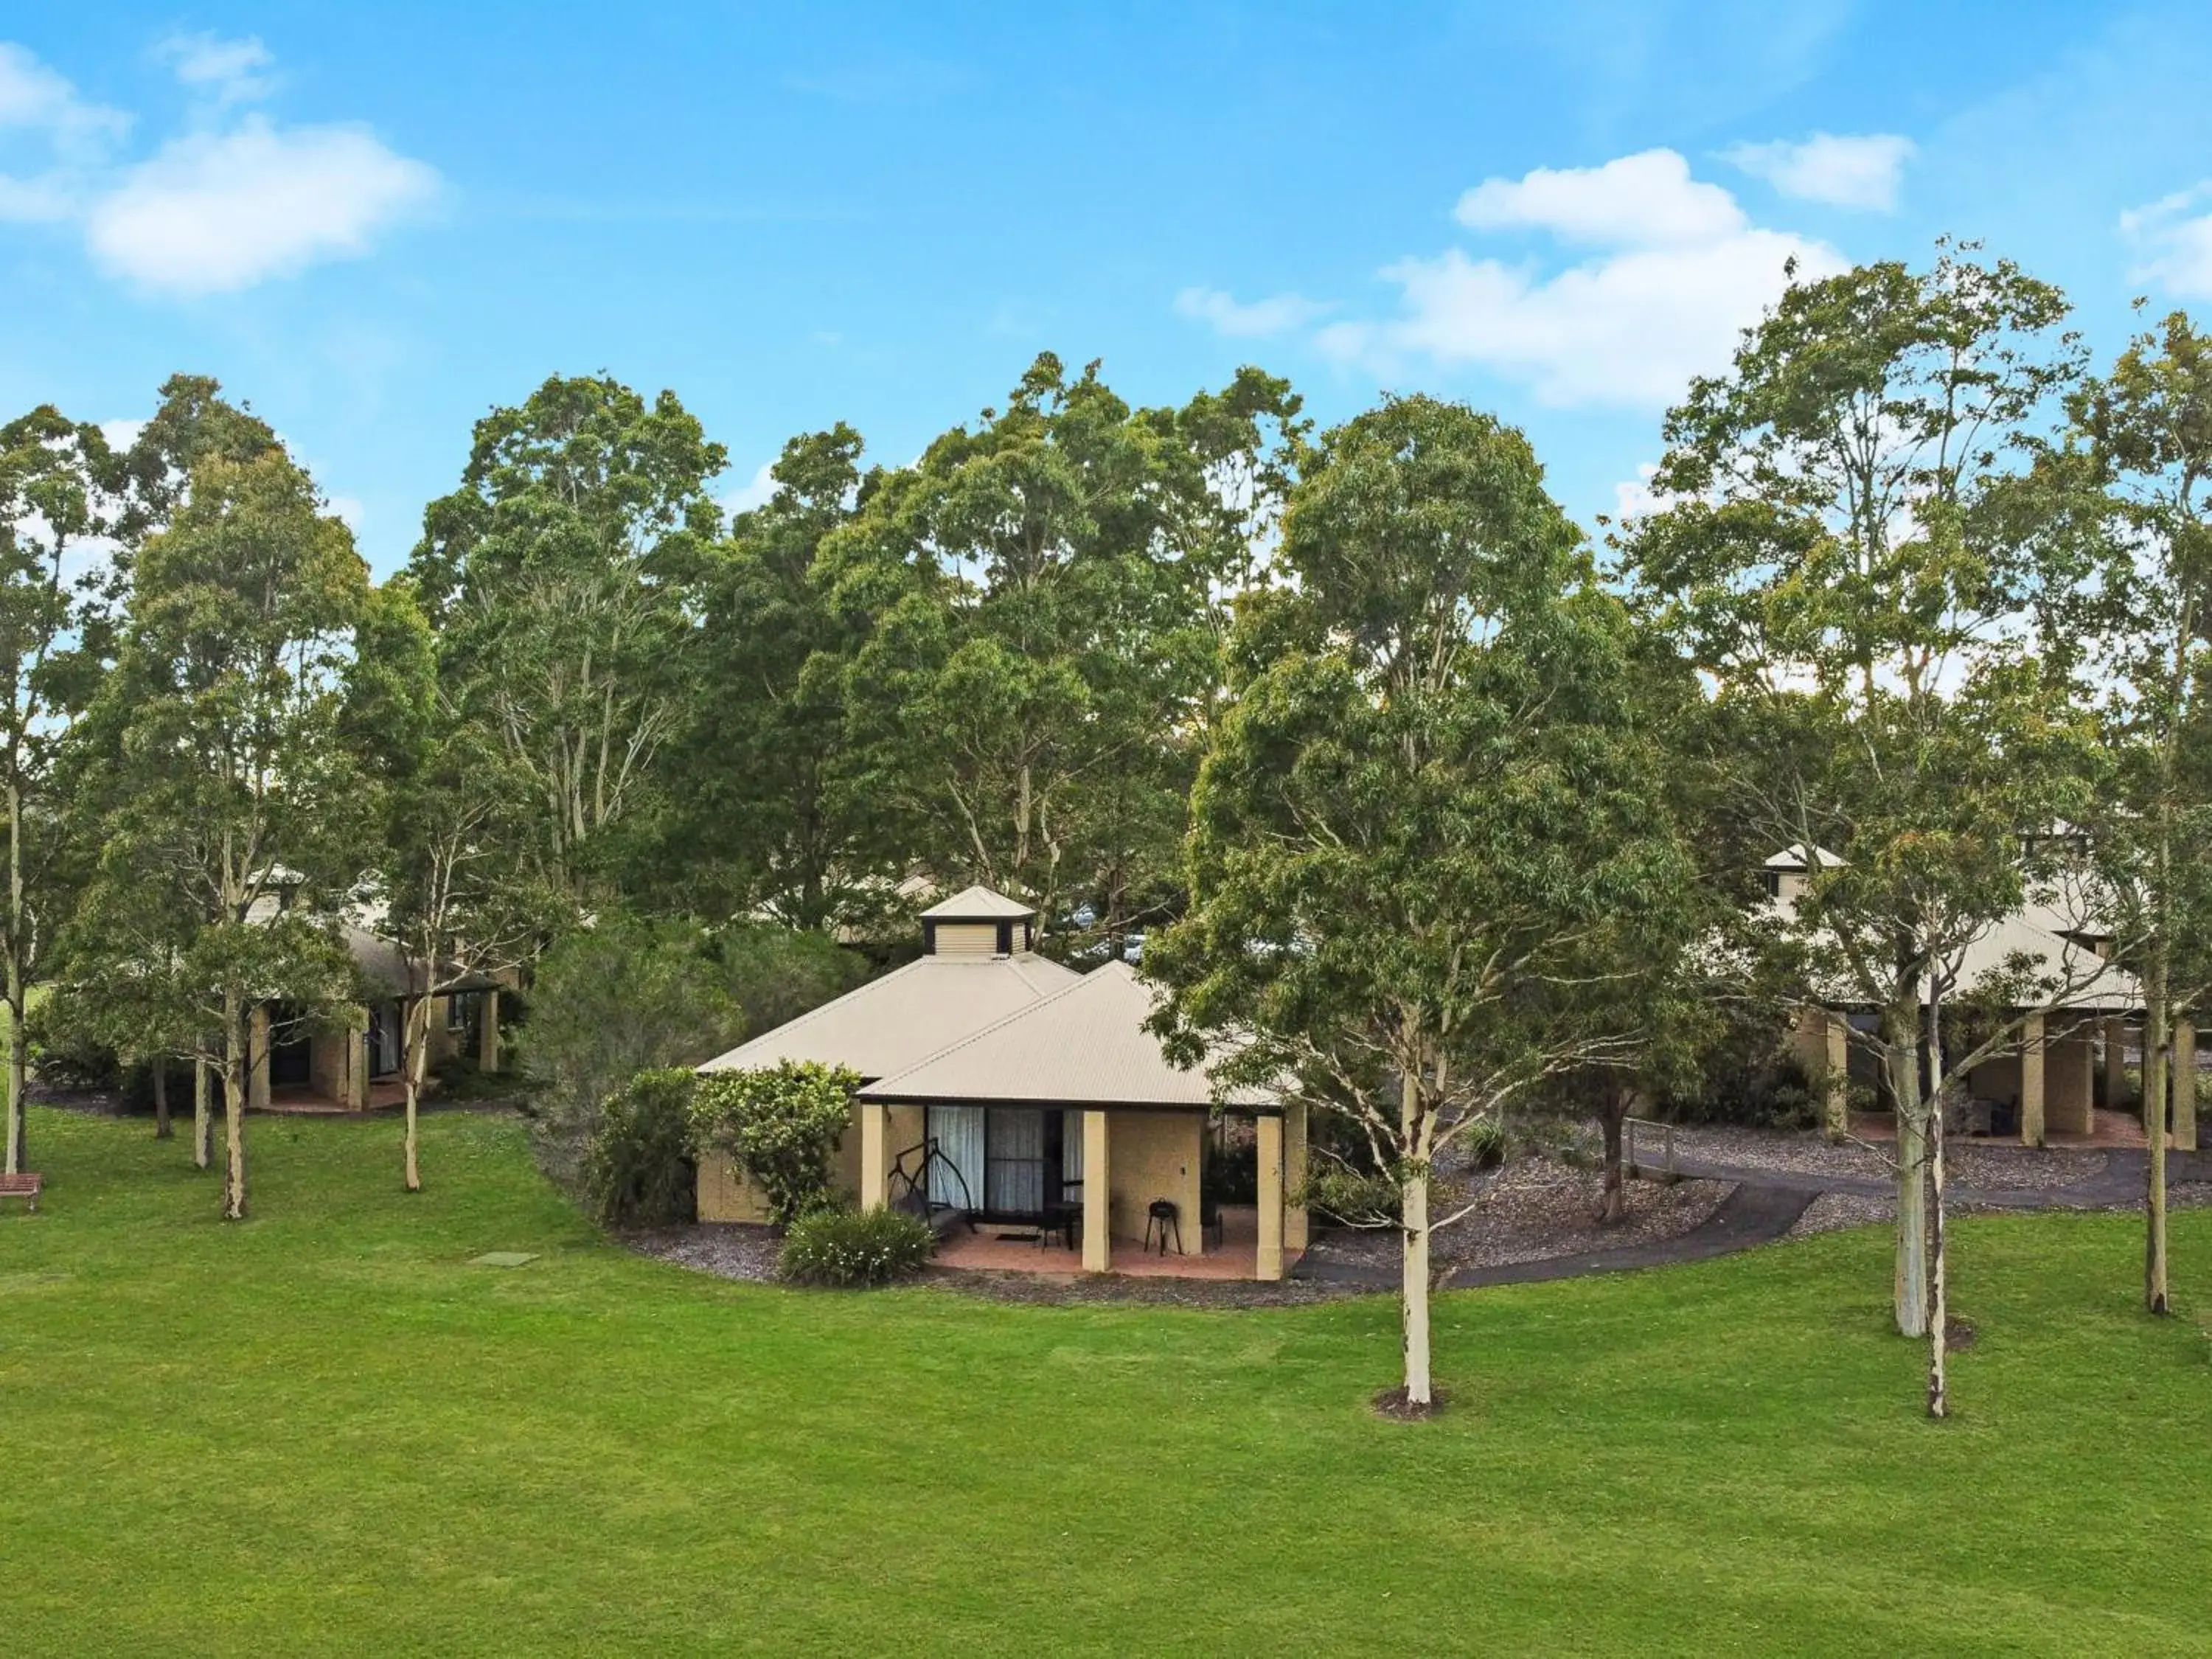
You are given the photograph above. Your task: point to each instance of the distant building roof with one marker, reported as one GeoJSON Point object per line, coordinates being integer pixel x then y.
{"type": "Point", "coordinates": [1085, 1045]}
{"type": "Point", "coordinates": [978, 904]}
{"type": "Point", "coordinates": [1792, 857]}
{"type": "Point", "coordinates": [891, 1023]}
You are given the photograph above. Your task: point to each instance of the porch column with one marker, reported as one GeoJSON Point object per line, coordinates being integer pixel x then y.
{"type": "Point", "coordinates": [2184, 1086]}
{"type": "Point", "coordinates": [1097, 1196]}
{"type": "Point", "coordinates": [357, 1068]}
{"type": "Point", "coordinates": [875, 1157]}
{"type": "Point", "coordinates": [257, 1076]}
{"type": "Point", "coordinates": [1836, 1113]}
{"type": "Point", "coordinates": [487, 1033]}
{"type": "Point", "coordinates": [2115, 1063]}
{"type": "Point", "coordinates": [1296, 1230]}
{"type": "Point", "coordinates": [1271, 1197]}
{"type": "Point", "coordinates": [2031, 1082]}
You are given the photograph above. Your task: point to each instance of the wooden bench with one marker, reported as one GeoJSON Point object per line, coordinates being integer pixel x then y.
{"type": "Point", "coordinates": [22, 1186]}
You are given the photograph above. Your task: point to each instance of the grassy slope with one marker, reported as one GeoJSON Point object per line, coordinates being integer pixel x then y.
{"type": "Point", "coordinates": [321, 1431]}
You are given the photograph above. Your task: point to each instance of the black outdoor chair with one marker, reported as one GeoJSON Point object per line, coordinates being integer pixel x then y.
{"type": "Point", "coordinates": [1164, 1215]}
{"type": "Point", "coordinates": [1061, 1222]}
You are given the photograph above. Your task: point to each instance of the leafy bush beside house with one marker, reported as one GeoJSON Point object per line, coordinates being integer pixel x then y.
{"type": "Point", "coordinates": [641, 1171]}
{"type": "Point", "coordinates": [780, 1124]}
{"type": "Point", "coordinates": [851, 1248]}
{"type": "Point", "coordinates": [629, 993]}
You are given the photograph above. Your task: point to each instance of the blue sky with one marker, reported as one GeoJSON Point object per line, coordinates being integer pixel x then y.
{"type": "Point", "coordinates": [375, 222]}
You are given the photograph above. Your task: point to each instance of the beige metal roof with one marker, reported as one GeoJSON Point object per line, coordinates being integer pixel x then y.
{"type": "Point", "coordinates": [1083, 1046]}
{"type": "Point", "coordinates": [1792, 857]}
{"type": "Point", "coordinates": [977, 904]}
{"type": "Point", "coordinates": [891, 1023]}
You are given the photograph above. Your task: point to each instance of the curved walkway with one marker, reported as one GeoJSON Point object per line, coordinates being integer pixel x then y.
{"type": "Point", "coordinates": [1766, 1204]}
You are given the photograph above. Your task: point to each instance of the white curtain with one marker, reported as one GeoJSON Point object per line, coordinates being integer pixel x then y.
{"type": "Point", "coordinates": [958, 1132]}
{"type": "Point", "coordinates": [1013, 1169]}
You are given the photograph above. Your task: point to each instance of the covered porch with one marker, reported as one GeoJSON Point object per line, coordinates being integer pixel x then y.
{"type": "Point", "coordinates": [1066, 1189]}
{"type": "Point", "coordinates": [1065, 1139]}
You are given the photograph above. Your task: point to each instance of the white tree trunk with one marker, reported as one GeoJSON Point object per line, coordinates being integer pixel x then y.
{"type": "Point", "coordinates": [203, 1119]}
{"type": "Point", "coordinates": [2157, 1088]}
{"type": "Point", "coordinates": [1413, 1285]}
{"type": "Point", "coordinates": [238, 1052]}
{"type": "Point", "coordinates": [1939, 1271]}
{"type": "Point", "coordinates": [418, 1043]}
{"type": "Point", "coordinates": [1413, 1293]}
{"type": "Point", "coordinates": [12, 1161]}
{"type": "Point", "coordinates": [1912, 1281]}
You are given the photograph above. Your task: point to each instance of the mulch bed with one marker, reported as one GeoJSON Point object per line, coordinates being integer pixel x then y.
{"type": "Point", "coordinates": [1393, 1404]}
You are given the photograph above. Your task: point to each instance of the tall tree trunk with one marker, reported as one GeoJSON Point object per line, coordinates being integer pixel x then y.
{"type": "Point", "coordinates": [203, 1119]}
{"type": "Point", "coordinates": [2158, 1082]}
{"type": "Point", "coordinates": [238, 1052]}
{"type": "Point", "coordinates": [1939, 1268]}
{"type": "Point", "coordinates": [1613, 1189]}
{"type": "Point", "coordinates": [161, 1129]}
{"type": "Point", "coordinates": [1414, 1286]}
{"type": "Point", "coordinates": [12, 1160]}
{"type": "Point", "coordinates": [15, 1135]}
{"type": "Point", "coordinates": [418, 1045]}
{"type": "Point", "coordinates": [1911, 1279]}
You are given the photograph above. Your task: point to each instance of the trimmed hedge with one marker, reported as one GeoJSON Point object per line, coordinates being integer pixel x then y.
{"type": "Point", "coordinates": [850, 1248]}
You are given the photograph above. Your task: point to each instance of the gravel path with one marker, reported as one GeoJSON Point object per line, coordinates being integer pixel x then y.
{"type": "Point", "coordinates": [1532, 1221]}
{"type": "Point", "coordinates": [1533, 1210]}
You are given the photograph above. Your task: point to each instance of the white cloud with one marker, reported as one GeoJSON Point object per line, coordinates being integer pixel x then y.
{"type": "Point", "coordinates": [1629, 327]}
{"type": "Point", "coordinates": [1853, 172]}
{"type": "Point", "coordinates": [1645, 200]}
{"type": "Point", "coordinates": [230, 71]}
{"type": "Point", "coordinates": [121, 433]}
{"type": "Point", "coordinates": [35, 201]}
{"type": "Point", "coordinates": [757, 492]}
{"type": "Point", "coordinates": [231, 203]}
{"type": "Point", "coordinates": [42, 105]}
{"type": "Point", "coordinates": [2175, 242]}
{"type": "Point", "coordinates": [1636, 498]}
{"type": "Point", "coordinates": [216, 212]}
{"type": "Point", "coordinates": [1278, 315]}
{"type": "Point", "coordinates": [34, 97]}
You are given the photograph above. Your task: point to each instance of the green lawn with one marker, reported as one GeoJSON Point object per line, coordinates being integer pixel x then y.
{"type": "Point", "coordinates": [320, 1432]}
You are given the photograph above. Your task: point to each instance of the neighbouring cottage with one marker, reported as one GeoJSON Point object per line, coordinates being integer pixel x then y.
{"type": "Point", "coordinates": [2071, 1058]}
{"type": "Point", "coordinates": [1007, 1089]}
{"type": "Point", "coordinates": [354, 1060]}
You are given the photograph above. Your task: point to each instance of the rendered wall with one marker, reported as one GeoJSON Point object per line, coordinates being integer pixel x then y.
{"type": "Point", "coordinates": [1154, 1155]}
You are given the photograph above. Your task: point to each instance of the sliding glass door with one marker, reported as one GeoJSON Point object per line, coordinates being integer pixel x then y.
{"type": "Point", "coordinates": [1005, 1161]}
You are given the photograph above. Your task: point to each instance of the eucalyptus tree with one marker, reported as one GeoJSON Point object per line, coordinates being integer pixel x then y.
{"type": "Point", "coordinates": [776, 806]}
{"type": "Point", "coordinates": [1038, 657]}
{"type": "Point", "coordinates": [233, 819]}
{"type": "Point", "coordinates": [444, 880]}
{"type": "Point", "coordinates": [1834, 555]}
{"type": "Point", "coordinates": [1427, 845]}
{"type": "Point", "coordinates": [2142, 444]}
{"type": "Point", "coordinates": [554, 577]}
{"type": "Point", "coordinates": [60, 490]}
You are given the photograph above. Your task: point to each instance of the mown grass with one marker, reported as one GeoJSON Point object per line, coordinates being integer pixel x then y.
{"type": "Point", "coordinates": [323, 1432]}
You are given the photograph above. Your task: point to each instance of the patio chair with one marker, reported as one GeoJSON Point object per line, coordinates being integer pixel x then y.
{"type": "Point", "coordinates": [1061, 1221]}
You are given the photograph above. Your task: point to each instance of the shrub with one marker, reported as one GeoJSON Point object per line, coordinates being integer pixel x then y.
{"type": "Point", "coordinates": [781, 1123]}
{"type": "Point", "coordinates": [611, 1000]}
{"type": "Point", "coordinates": [639, 1171]}
{"type": "Point", "coordinates": [853, 1248]}
{"type": "Point", "coordinates": [628, 992]}
{"type": "Point", "coordinates": [63, 1049]}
